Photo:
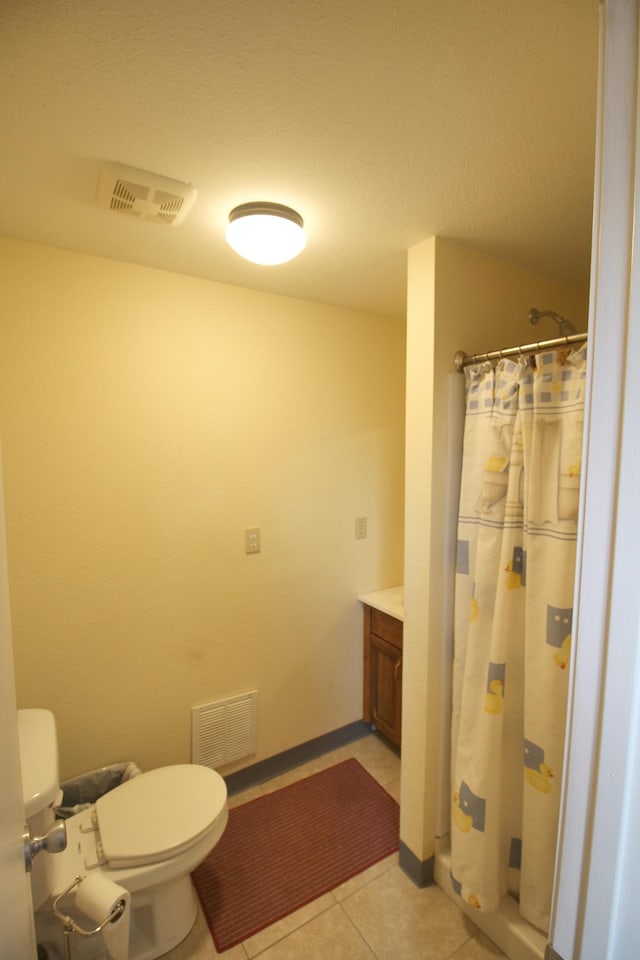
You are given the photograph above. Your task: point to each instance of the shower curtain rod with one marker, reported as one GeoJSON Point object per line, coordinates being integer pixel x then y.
{"type": "Point", "coordinates": [461, 360]}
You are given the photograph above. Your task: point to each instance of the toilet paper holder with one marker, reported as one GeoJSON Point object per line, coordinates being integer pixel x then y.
{"type": "Point", "coordinates": [71, 926]}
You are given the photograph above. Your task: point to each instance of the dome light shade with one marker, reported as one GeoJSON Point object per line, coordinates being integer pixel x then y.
{"type": "Point", "coordinates": [266, 233]}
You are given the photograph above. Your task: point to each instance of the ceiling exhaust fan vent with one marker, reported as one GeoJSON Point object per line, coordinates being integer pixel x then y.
{"type": "Point", "coordinates": [145, 195]}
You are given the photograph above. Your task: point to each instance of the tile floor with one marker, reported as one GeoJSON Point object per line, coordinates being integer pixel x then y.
{"type": "Point", "coordinates": [378, 915]}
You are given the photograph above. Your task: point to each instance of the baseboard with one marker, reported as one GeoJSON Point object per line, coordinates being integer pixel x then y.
{"type": "Point", "coordinates": [281, 762]}
{"type": "Point", "coordinates": [420, 871]}
{"type": "Point", "coordinates": [550, 953]}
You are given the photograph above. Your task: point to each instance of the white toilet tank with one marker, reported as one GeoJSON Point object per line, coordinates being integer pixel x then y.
{"type": "Point", "coordinates": [40, 785]}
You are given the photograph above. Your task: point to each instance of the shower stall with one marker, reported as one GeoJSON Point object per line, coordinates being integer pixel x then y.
{"type": "Point", "coordinates": [462, 809]}
{"type": "Point", "coordinates": [515, 562]}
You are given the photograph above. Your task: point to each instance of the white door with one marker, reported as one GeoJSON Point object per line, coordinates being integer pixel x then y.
{"type": "Point", "coordinates": [17, 935]}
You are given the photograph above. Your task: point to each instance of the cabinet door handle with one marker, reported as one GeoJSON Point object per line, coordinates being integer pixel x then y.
{"type": "Point", "coordinates": [397, 668]}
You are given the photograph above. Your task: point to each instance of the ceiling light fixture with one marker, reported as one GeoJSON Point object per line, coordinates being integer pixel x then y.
{"type": "Point", "coordinates": [266, 233]}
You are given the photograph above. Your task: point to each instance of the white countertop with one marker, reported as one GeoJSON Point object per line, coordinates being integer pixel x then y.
{"type": "Point", "coordinates": [389, 601]}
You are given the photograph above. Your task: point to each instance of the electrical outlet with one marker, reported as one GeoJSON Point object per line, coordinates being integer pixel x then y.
{"type": "Point", "coordinates": [252, 540]}
{"type": "Point", "coordinates": [361, 528]}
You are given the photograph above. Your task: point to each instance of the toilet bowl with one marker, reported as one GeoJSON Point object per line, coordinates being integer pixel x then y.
{"type": "Point", "coordinates": [146, 835]}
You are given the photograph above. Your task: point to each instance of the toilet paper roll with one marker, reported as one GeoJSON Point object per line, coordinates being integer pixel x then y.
{"type": "Point", "coordinates": [97, 896]}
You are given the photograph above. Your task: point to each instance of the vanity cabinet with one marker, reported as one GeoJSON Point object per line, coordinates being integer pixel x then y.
{"type": "Point", "coordinates": [382, 693]}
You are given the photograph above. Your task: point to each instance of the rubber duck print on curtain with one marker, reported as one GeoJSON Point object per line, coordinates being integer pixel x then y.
{"type": "Point", "coordinates": [517, 529]}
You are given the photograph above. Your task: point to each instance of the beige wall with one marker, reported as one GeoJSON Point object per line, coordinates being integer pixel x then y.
{"type": "Point", "coordinates": [146, 420]}
{"type": "Point", "coordinates": [458, 299]}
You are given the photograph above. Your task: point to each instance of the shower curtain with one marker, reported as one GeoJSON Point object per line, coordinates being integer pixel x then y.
{"type": "Point", "coordinates": [512, 627]}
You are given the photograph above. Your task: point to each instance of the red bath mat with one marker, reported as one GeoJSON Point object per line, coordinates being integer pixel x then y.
{"type": "Point", "coordinates": [286, 848]}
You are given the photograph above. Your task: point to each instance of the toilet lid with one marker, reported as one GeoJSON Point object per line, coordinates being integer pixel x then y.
{"type": "Point", "coordinates": [158, 814]}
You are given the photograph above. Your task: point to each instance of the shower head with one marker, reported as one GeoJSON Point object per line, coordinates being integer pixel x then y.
{"type": "Point", "coordinates": [565, 327]}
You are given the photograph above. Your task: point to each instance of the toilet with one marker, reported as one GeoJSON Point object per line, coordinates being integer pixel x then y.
{"type": "Point", "coordinates": [146, 835]}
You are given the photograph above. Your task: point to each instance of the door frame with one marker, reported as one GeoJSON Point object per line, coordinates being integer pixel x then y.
{"type": "Point", "coordinates": [17, 933]}
{"type": "Point", "coordinates": [593, 916]}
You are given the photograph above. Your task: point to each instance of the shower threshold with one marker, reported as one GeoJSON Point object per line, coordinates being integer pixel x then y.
{"type": "Point", "coordinates": [508, 930]}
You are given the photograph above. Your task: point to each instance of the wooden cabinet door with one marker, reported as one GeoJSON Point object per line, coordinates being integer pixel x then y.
{"type": "Point", "coordinates": [386, 688]}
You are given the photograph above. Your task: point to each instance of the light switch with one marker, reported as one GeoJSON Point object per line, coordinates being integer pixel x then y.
{"type": "Point", "coordinates": [252, 540]}
{"type": "Point", "coordinates": [361, 528]}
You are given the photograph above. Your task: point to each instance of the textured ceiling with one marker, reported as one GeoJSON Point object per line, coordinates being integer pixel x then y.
{"type": "Point", "coordinates": [381, 121]}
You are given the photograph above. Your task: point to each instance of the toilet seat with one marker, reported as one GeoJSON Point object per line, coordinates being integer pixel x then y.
{"type": "Point", "coordinates": [159, 814]}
